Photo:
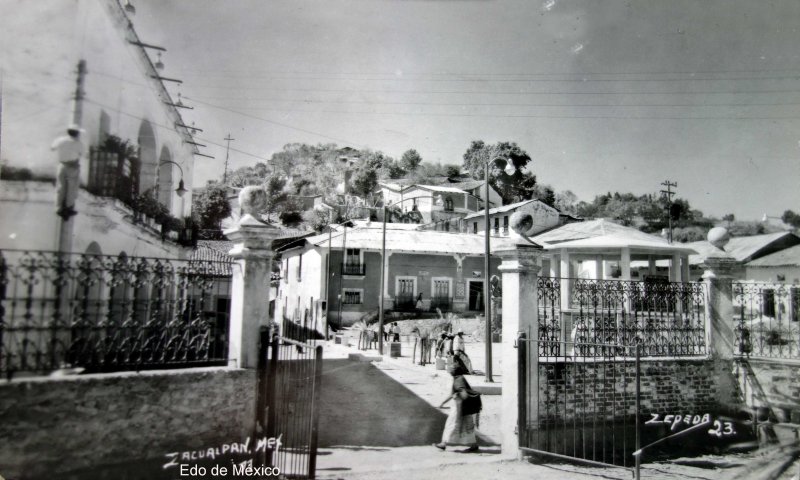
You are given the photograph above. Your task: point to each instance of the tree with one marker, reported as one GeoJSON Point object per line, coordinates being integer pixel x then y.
{"type": "Point", "coordinates": [364, 181]}
{"type": "Point", "coordinates": [513, 187]}
{"type": "Point", "coordinates": [276, 196]}
{"type": "Point", "coordinates": [410, 160]}
{"type": "Point", "coordinates": [212, 206]}
{"type": "Point", "coordinates": [452, 170]}
{"type": "Point", "coordinates": [565, 202]}
{"type": "Point", "coordinates": [729, 218]}
{"type": "Point", "coordinates": [791, 218]}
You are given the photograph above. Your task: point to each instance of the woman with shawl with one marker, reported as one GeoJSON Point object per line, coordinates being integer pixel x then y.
{"type": "Point", "coordinates": [462, 419]}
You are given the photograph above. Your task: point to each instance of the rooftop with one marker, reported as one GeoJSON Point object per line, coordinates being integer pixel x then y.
{"type": "Point", "coordinates": [404, 240]}
{"type": "Point", "coordinates": [504, 208]}
{"type": "Point", "coordinates": [789, 257]}
{"type": "Point", "coordinates": [741, 248]}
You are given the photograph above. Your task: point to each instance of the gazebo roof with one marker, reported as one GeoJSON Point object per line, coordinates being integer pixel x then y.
{"type": "Point", "coordinates": [598, 235]}
{"type": "Point", "coordinates": [618, 241]}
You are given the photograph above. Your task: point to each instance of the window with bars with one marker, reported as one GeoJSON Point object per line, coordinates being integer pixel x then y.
{"type": "Point", "coordinates": [768, 302]}
{"type": "Point", "coordinates": [352, 297]}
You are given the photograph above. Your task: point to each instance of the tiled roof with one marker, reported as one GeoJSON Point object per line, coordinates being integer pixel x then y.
{"type": "Point", "coordinates": [789, 257]}
{"type": "Point", "coordinates": [216, 253]}
{"type": "Point", "coordinates": [417, 241]}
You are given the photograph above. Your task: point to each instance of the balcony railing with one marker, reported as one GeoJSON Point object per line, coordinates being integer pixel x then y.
{"type": "Point", "coordinates": [354, 269]}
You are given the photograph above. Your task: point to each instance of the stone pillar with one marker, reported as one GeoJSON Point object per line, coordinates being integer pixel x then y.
{"type": "Point", "coordinates": [252, 252]}
{"type": "Point", "coordinates": [520, 268]}
{"type": "Point", "coordinates": [718, 278]}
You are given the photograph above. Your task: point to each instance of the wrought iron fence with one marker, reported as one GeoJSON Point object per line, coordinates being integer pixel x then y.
{"type": "Point", "coordinates": [288, 403]}
{"type": "Point", "coordinates": [666, 319]}
{"type": "Point", "coordinates": [105, 313]}
{"type": "Point", "coordinates": [579, 407]}
{"type": "Point", "coordinates": [767, 319]}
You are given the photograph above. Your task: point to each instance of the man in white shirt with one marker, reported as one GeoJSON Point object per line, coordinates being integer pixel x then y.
{"type": "Point", "coordinates": [69, 150]}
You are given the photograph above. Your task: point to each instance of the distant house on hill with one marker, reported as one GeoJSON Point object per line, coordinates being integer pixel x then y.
{"type": "Point", "coordinates": [436, 203]}
{"type": "Point", "coordinates": [545, 217]}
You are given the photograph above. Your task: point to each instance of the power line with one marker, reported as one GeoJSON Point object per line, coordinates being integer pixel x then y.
{"type": "Point", "coordinates": [220, 107]}
{"type": "Point", "coordinates": [482, 115]}
{"type": "Point", "coordinates": [496, 104]}
{"type": "Point", "coordinates": [479, 92]}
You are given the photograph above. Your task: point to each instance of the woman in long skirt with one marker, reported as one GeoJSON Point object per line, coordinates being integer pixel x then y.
{"type": "Point", "coordinates": [461, 421]}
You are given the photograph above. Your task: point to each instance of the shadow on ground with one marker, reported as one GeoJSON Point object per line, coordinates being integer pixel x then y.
{"type": "Point", "coordinates": [361, 405]}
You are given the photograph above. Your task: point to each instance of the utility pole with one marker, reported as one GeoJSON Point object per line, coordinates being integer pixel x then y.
{"type": "Point", "coordinates": [669, 193]}
{"type": "Point", "coordinates": [227, 150]}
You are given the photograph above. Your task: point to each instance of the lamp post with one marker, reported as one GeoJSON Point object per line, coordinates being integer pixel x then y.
{"type": "Point", "coordinates": [487, 303]}
{"type": "Point", "coordinates": [181, 190]}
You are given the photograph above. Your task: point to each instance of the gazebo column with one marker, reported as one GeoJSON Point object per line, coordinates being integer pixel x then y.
{"type": "Point", "coordinates": [598, 267]}
{"type": "Point", "coordinates": [566, 283]}
{"type": "Point", "coordinates": [685, 275]}
{"type": "Point", "coordinates": [651, 265]}
{"type": "Point", "coordinates": [555, 265]}
{"type": "Point", "coordinates": [675, 268]}
{"type": "Point", "coordinates": [625, 263]}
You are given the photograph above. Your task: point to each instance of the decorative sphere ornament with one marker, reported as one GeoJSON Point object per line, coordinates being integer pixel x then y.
{"type": "Point", "coordinates": [718, 236]}
{"type": "Point", "coordinates": [252, 200]}
{"type": "Point", "coordinates": [521, 222]}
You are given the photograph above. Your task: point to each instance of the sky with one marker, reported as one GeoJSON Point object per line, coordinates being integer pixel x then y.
{"type": "Point", "coordinates": [604, 96]}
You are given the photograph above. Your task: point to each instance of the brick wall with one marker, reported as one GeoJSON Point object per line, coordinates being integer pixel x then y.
{"type": "Point", "coordinates": [52, 425]}
{"type": "Point", "coordinates": [608, 388]}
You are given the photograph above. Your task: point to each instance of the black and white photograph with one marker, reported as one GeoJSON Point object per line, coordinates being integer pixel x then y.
{"type": "Point", "coordinates": [399, 239]}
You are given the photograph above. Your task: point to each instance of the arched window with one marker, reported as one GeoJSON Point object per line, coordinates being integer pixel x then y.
{"type": "Point", "coordinates": [147, 156]}
{"type": "Point", "coordinates": [165, 186]}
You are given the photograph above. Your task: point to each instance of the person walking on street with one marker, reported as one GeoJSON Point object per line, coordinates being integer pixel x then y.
{"type": "Point", "coordinates": [459, 351]}
{"type": "Point", "coordinates": [395, 332]}
{"type": "Point", "coordinates": [459, 429]}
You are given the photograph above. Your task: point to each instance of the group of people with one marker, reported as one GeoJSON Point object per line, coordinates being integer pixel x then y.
{"type": "Point", "coordinates": [391, 332]}
{"type": "Point", "coordinates": [453, 346]}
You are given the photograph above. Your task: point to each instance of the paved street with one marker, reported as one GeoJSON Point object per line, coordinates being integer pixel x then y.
{"type": "Point", "coordinates": [379, 419]}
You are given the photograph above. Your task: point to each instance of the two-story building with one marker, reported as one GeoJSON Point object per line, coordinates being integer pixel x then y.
{"type": "Point", "coordinates": [443, 270]}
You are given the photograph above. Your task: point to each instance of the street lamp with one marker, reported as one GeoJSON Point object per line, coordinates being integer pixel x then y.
{"type": "Point", "coordinates": [487, 303]}
{"type": "Point", "coordinates": [181, 190]}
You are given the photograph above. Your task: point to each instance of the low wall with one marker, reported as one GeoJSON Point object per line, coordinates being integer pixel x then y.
{"type": "Point", "coordinates": [668, 386]}
{"type": "Point", "coordinates": [52, 425]}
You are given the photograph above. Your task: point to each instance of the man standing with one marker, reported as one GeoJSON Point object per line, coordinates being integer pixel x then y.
{"type": "Point", "coordinates": [69, 150]}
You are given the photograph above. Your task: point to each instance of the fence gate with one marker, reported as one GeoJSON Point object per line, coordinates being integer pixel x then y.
{"type": "Point", "coordinates": [288, 396]}
{"type": "Point", "coordinates": [578, 401]}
